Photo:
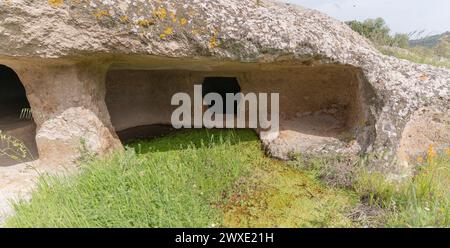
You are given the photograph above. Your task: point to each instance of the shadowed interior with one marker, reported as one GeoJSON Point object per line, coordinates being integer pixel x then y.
{"type": "Point", "coordinates": [221, 86]}
{"type": "Point", "coordinates": [15, 120]}
{"type": "Point", "coordinates": [316, 103]}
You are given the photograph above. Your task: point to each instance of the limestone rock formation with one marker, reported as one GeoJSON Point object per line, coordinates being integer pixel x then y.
{"type": "Point", "coordinates": [348, 98]}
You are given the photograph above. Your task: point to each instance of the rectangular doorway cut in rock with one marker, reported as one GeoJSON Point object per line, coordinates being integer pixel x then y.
{"type": "Point", "coordinates": [222, 86]}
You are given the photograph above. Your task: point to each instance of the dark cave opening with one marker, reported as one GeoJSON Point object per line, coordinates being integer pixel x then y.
{"type": "Point", "coordinates": [222, 86]}
{"type": "Point", "coordinates": [12, 95]}
{"type": "Point", "coordinates": [16, 120]}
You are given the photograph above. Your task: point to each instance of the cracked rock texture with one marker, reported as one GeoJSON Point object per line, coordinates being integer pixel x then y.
{"type": "Point", "coordinates": [67, 40]}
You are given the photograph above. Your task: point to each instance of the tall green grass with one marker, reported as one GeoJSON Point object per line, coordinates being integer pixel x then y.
{"type": "Point", "coordinates": [422, 201]}
{"type": "Point", "coordinates": [416, 55]}
{"type": "Point", "coordinates": [190, 179]}
{"type": "Point", "coordinates": [169, 182]}
{"type": "Point", "coordinates": [208, 178]}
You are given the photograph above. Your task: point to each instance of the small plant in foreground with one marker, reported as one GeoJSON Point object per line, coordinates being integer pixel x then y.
{"type": "Point", "coordinates": [421, 201]}
{"type": "Point", "coordinates": [13, 148]}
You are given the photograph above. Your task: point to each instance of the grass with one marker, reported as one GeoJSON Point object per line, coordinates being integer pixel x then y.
{"type": "Point", "coordinates": [277, 195]}
{"type": "Point", "coordinates": [169, 182]}
{"type": "Point", "coordinates": [212, 178]}
{"type": "Point", "coordinates": [422, 201]}
{"type": "Point", "coordinates": [190, 179]}
{"type": "Point", "coordinates": [423, 56]}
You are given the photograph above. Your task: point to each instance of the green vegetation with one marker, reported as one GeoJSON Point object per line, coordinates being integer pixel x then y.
{"type": "Point", "coordinates": [169, 182]}
{"type": "Point", "coordinates": [278, 195]}
{"type": "Point", "coordinates": [190, 179]}
{"type": "Point", "coordinates": [378, 32]}
{"type": "Point", "coordinates": [418, 55]}
{"type": "Point", "coordinates": [430, 41]}
{"type": "Point", "coordinates": [209, 178]}
{"type": "Point", "coordinates": [434, 50]}
{"type": "Point", "coordinates": [422, 201]}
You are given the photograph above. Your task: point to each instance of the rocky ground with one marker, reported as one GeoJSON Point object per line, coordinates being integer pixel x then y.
{"type": "Point", "coordinates": [16, 182]}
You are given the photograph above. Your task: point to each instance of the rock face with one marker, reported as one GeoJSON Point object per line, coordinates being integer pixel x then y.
{"type": "Point", "coordinates": [62, 50]}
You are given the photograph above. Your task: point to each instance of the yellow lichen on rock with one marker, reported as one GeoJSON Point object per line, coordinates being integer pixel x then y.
{"type": "Point", "coordinates": [161, 13]}
{"type": "Point", "coordinates": [124, 19]}
{"type": "Point", "coordinates": [173, 17]}
{"type": "Point", "coordinates": [55, 3]}
{"type": "Point", "coordinates": [183, 21]}
{"type": "Point", "coordinates": [145, 23]}
{"type": "Point", "coordinates": [196, 31]}
{"type": "Point", "coordinates": [101, 13]}
{"type": "Point", "coordinates": [213, 40]}
{"type": "Point", "coordinates": [168, 31]}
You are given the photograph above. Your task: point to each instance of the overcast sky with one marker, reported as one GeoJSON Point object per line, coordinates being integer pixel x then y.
{"type": "Point", "coordinates": [402, 16]}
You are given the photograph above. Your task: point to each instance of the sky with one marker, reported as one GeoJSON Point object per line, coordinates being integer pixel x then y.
{"type": "Point", "coordinates": [402, 16]}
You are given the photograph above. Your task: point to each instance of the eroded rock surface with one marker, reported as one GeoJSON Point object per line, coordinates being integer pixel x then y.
{"type": "Point", "coordinates": [62, 49]}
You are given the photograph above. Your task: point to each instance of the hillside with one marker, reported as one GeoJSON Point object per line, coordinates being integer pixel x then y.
{"type": "Point", "coordinates": [431, 41]}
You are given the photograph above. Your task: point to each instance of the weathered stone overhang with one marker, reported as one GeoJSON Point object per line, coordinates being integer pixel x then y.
{"type": "Point", "coordinates": [71, 55]}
